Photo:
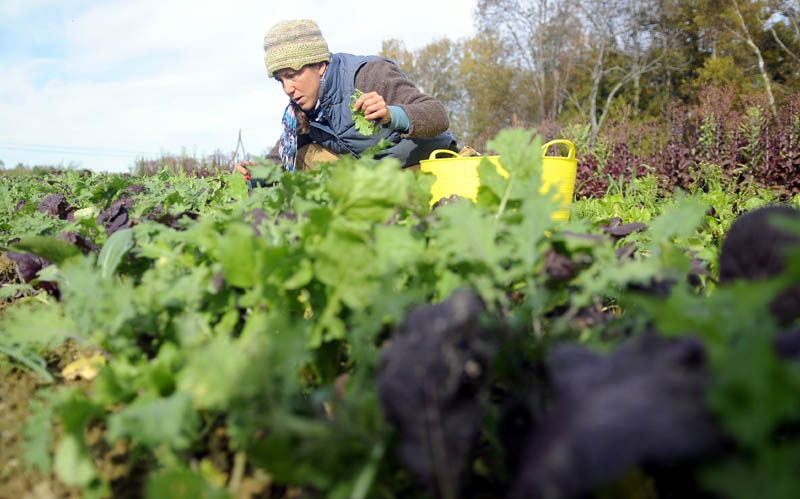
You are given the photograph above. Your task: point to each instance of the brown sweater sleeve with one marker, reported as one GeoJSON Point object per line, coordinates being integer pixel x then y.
{"type": "Point", "coordinates": [427, 116]}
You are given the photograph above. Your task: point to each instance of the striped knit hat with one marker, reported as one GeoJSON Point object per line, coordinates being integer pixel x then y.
{"type": "Point", "coordinates": [293, 44]}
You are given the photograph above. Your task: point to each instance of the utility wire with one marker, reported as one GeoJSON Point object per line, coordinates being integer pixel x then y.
{"type": "Point", "coordinates": [73, 153]}
{"type": "Point", "coordinates": [76, 150]}
{"type": "Point", "coordinates": [96, 151]}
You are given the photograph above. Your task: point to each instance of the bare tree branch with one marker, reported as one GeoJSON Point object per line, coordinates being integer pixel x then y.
{"type": "Point", "coordinates": [761, 66]}
{"type": "Point", "coordinates": [784, 47]}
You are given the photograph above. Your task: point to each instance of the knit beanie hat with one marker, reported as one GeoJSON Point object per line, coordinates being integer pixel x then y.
{"type": "Point", "coordinates": [293, 44]}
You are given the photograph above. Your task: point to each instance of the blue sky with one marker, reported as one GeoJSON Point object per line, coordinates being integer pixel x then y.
{"type": "Point", "coordinates": [98, 83]}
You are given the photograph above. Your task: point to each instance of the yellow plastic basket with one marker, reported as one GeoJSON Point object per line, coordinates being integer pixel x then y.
{"type": "Point", "coordinates": [459, 175]}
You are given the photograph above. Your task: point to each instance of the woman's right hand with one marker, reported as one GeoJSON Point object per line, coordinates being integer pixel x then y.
{"type": "Point", "coordinates": [242, 168]}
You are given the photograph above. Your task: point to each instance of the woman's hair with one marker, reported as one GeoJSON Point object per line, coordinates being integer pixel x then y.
{"type": "Point", "coordinates": [303, 123]}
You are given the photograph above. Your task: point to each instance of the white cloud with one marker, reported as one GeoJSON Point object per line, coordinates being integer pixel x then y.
{"type": "Point", "coordinates": [155, 75]}
{"type": "Point", "coordinates": [14, 9]}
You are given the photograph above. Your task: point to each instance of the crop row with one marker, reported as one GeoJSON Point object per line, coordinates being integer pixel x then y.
{"type": "Point", "coordinates": [335, 333]}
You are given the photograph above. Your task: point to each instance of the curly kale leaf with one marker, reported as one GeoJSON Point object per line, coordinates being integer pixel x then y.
{"type": "Point", "coordinates": [363, 125]}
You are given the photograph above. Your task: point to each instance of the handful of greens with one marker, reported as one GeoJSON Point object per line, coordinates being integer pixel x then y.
{"type": "Point", "coordinates": [363, 125]}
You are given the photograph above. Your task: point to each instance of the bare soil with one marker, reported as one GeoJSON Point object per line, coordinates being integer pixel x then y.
{"type": "Point", "coordinates": [115, 464]}
{"type": "Point", "coordinates": [8, 270]}
{"type": "Point", "coordinates": [17, 387]}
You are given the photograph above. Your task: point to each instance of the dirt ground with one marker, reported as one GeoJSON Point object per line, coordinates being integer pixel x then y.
{"type": "Point", "coordinates": [125, 476]}
{"type": "Point", "coordinates": [7, 269]}
{"type": "Point", "coordinates": [17, 387]}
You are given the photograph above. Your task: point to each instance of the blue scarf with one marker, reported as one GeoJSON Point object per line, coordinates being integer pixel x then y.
{"type": "Point", "coordinates": [288, 146]}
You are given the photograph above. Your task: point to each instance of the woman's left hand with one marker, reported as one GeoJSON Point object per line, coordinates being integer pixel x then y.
{"type": "Point", "coordinates": [374, 107]}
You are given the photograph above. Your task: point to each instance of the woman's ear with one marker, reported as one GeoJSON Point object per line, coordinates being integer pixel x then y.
{"type": "Point", "coordinates": [321, 68]}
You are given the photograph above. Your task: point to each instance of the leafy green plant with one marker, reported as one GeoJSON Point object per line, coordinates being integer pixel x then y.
{"type": "Point", "coordinates": [363, 125]}
{"type": "Point", "coordinates": [708, 132]}
{"type": "Point", "coordinates": [751, 128]}
{"type": "Point", "coordinates": [290, 292]}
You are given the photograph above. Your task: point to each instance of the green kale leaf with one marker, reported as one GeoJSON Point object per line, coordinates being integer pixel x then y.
{"type": "Point", "coordinates": [363, 125]}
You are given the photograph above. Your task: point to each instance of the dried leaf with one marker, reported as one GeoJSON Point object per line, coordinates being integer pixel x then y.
{"type": "Point", "coordinates": [85, 367]}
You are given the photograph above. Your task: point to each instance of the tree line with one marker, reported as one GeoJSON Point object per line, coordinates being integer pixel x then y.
{"type": "Point", "coordinates": [540, 62]}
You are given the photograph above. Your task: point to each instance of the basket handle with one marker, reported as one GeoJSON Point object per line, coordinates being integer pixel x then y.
{"type": "Point", "coordinates": [570, 145]}
{"type": "Point", "coordinates": [448, 151]}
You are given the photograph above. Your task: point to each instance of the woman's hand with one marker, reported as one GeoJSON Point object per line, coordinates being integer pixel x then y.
{"type": "Point", "coordinates": [374, 107]}
{"type": "Point", "coordinates": [242, 168]}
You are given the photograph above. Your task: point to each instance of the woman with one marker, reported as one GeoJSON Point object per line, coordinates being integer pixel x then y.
{"type": "Point", "coordinates": [318, 124]}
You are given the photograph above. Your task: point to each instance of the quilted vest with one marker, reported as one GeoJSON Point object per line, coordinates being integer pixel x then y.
{"type": "Point", "coordinates": [337, 130]}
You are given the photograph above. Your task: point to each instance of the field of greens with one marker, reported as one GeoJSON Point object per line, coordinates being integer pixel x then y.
{"type": "Point", "coordinates": [333, 335]}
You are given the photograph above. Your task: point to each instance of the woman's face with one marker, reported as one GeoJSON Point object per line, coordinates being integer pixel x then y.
{"type": "Point", "coordinates": [302, 86]}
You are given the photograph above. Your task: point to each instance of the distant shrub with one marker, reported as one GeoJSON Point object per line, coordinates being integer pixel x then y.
{"type": "Point", "coordinates": [749, 145]}
{"type": "Point", "coordinates": [213, 164]}
{"type": "Point", "coordinates": [40, 170]}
